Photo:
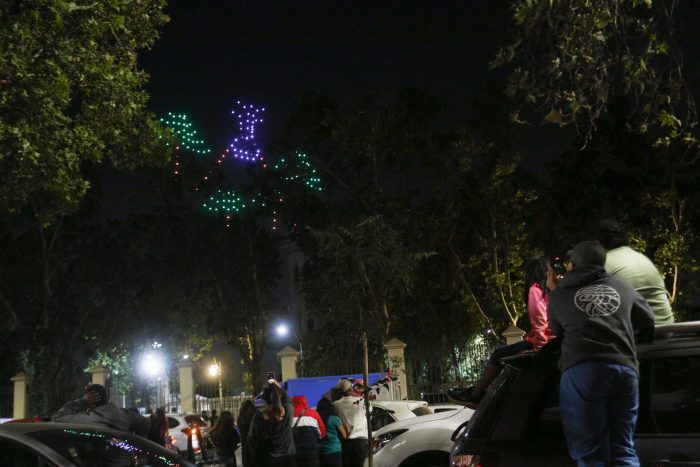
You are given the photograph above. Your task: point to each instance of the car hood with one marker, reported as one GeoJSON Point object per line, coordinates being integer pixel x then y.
{"type": "Point", "coordinates": [459, 416]}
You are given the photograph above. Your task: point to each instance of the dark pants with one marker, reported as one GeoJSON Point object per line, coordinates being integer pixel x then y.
{"type": "Point", "coordinates": [285, 461]}
{"type": "Point", "coordinates": [305, 461]}
{"type": "Point", "coordinates": [332, 460]}
{"type": "Point", "coordinates": [599, 404]}
{"type": "Point", "coordinates": [354, 452]}
{"type": "Point", "coordinates": [507, 350]}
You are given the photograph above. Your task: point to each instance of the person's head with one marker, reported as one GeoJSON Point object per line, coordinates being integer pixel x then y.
{"type": "Point", "coordinates": [345, 386]}
{"type": "Point", "coordinates": [324, 409]}
{"type": "Point", "coordinates": [213, 412]}
{"type": "Point", "coordinates": [611, 234]}
{"type": "Point", "coordinates": [336, 393]}
{"type": "Point", "coordinates": [99, 389]}
{"type": "Point", "coordinates": [273, 409]}
{"type": "Point", "coordinates": [224, 420]}
{"type": "Point", "coordinates": [587, 253]}
{"type": "Point", "coordinates": [536, 273]}
{"type": "Point", "coordinates": [245, 414]}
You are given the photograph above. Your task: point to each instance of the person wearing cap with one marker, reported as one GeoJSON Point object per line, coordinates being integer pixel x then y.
{"type": "Point", "coordinates": [597, 315]}
{"type": "Point", "coordinates": [351, 411]}
{"type": "Point", "coordinates": [634, 267]}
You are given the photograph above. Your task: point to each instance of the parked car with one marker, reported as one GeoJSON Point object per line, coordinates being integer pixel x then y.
{"type": "Point", "coordinates": [419, 441]}
{"type": "Point", "coordinates": [178, 424]}
{"type": "Point", "coordinates": [386, 412]}
{"type": "Point", "coordinates": [74, 445]}
{"type": "Point", "coordinates": [518, 422]}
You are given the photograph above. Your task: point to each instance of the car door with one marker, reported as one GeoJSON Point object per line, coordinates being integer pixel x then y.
{"type": "Point", "coordinates": [668, 430]}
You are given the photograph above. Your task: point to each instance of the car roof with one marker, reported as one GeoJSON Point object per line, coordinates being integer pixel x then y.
{"type": "Point", "coordinates": [22, 428]}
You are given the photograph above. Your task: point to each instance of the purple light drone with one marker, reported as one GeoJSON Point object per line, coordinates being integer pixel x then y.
{"type": "Point", "coordinates": [244, 146]}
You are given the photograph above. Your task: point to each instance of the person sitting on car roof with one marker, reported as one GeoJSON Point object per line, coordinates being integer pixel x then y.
{"type": "Point", "coordinates": [540, 279]}
{"type": "Point", "coordinates": [94, 407]}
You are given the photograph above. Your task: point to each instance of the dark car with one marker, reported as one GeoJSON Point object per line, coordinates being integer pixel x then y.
{"type": "Point", "coordinates": [70, 445]}
{"type": "Point", "coordinates": [518, 422]}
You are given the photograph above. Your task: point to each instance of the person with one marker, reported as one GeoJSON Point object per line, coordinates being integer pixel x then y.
{"type": "Point", "coordinates": [307, 430]}
{"type": "Point", "coordinates": [269, 442]}
{"type": "Point", "coordinates": [635, 268]}
{"type": "Point", "coordinates": [225, 439]}
{"type": "Point", "coordinates": [597, 314]}
{"type": "Point", "coordinates": [245, 417]}
{"type": "Point", "coordinates": [213, 418]}
{"type": "Point", "coordinates": [331, 451]}
{"type": "Point", "coordinates": [351, 411]}
{"type": "Point", "coordinates": [539, 279]}
{"type": "Point", "coordinates": [158, 431]}
{"type": "Point", "coordinates": [94, 408]}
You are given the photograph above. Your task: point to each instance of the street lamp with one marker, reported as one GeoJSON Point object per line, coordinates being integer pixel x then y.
{"type": "Point", "coordinates": [215, 370]}
{"type": "Point", "coordinates": [282, 330]}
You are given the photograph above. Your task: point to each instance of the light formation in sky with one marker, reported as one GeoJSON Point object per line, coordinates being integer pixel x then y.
{"type": "Point", "coordinates": [230, 202]}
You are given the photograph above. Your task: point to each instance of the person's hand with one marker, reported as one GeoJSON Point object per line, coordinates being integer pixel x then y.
{"type": "Point", "coordinates": [552, 280]}
{"type": "Point", "coordinates": [92, 398]}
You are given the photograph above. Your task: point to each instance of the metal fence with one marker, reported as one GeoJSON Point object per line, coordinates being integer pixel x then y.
{"type": "Point", "coordinates": [430, 374]}
{"type": "Point", "coordinates": [6, 400]}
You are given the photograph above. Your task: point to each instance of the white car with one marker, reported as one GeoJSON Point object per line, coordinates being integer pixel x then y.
{"type": "Point", "coordinates": [419, 441]}
{"type": "Point", "coordinates": [179, 422]}
{"type": "Point", "coordinates": [386, 412]}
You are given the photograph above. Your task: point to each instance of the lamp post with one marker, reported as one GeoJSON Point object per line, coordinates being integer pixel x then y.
{"type": "Point", "coordinates": [215, 370]}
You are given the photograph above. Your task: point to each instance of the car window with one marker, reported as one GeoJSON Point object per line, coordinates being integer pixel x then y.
{"type": "Point", "coordinates": [172, 422]}
{"type": "Point", "coordinates": [20, 456]}
{"type": "Point", "coordinates": [381, 417]}
{"type": "Point", "coordinates": [675, 394]}
{"type": "Point", "coordinates": [88, 448]}
{"type": "Point", "coordinates": [196, 419]}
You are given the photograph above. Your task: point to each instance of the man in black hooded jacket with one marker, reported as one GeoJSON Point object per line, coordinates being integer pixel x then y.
{"type": "Point", "coordinates": [597, 315]}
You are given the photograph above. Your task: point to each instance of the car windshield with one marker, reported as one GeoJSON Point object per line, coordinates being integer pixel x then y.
{"type": "Point", "coordinates": [196, 419]}
{"type": "Point", "coordinates": [93, 448]}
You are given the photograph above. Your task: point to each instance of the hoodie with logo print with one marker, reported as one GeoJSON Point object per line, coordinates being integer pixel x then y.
{"type": "Point", "coordinates": [597, 314]}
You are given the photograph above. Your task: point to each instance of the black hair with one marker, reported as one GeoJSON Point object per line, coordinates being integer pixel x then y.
{"type": "Point", "coordinates": [245, 416]}
{"type": "Point", "coordinates": [611, 234]}
{"type": "Point", "coordinates": [273, 410]}
{"type": "Point", "coordinates": [223, 430]}
{"type": "Point", "coordinates": [324, 409]}
{"type": "Point", "coordinates": [536, 273]}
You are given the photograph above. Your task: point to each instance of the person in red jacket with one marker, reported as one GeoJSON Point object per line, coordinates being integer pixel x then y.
{"type": "Point", "coordinates": [308, 430]}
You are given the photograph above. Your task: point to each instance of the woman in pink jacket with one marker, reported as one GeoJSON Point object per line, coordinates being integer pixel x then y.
{"type": "Point", "coordinates": [539, 280]}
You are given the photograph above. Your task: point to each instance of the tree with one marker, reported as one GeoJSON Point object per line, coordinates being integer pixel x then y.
{"type": "Point", "coordinates": [70, 94]}
{"type": "Point", "coordinates": [567, 60]}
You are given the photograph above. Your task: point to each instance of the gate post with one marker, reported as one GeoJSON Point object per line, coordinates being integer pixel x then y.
{"type": "Point", "coordinates": [513, 334]}
{"type": "Point", "coordinates": [99, 375]}
{"type": "Point", "coordinates": [288, 358]}
{"type": "Point", "coordinates": [20, 406]}
{"type": "Point", "coordinates": [397, 360]}
{"type": "Point", "coordinates": [185, 370]}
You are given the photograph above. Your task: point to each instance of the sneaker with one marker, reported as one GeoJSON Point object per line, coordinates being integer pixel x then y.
{"type": "Point", "coordinates": [463, 396]}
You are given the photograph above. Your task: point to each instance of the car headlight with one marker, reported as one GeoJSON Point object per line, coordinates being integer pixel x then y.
{"type": "Point", "coordinates": [382, 440]}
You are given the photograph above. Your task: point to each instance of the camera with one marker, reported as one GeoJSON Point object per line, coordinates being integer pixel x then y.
{"type": "Point", "coordinates": [559, 265]}
{"type": "Point", "coordinates": [271, 377]}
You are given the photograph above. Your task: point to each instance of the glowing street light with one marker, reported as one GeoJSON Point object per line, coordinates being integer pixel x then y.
{"type": "Point", "coordinates": [214, 371]}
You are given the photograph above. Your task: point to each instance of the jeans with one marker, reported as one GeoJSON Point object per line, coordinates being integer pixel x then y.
{"type": "Point", "coordinates": [599, 404]}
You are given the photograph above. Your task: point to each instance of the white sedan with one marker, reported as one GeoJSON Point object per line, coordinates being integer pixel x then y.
{"type": "Point", "coordinates": [419, 441]}
{"type": "Point", "coordinates": [386, 412]}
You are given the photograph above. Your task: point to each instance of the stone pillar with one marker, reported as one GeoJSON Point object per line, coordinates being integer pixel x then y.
{"type": "Point", "coordinates": [513, 334]}
{"type": "Point", "coordinates": [397, 360]}
{"type": "Point", "coordinates": [288, 358]}
{"type": "Point", "coordinates": [20, 407]}
{"type": "Point", "coordinates": [99, 375]}
{"type": "Point", "coordinates": [185, 370]}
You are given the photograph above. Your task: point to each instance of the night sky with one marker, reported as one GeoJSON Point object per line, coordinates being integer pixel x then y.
{"type": "Point", "coordinates": [267, 52]}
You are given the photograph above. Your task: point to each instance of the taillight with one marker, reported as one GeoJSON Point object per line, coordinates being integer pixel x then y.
{"type": "Point", "coordinates": [475, 460]}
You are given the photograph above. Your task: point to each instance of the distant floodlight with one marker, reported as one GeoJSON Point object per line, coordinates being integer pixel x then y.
{"type": "Point", "coordinates": [282, 330]}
